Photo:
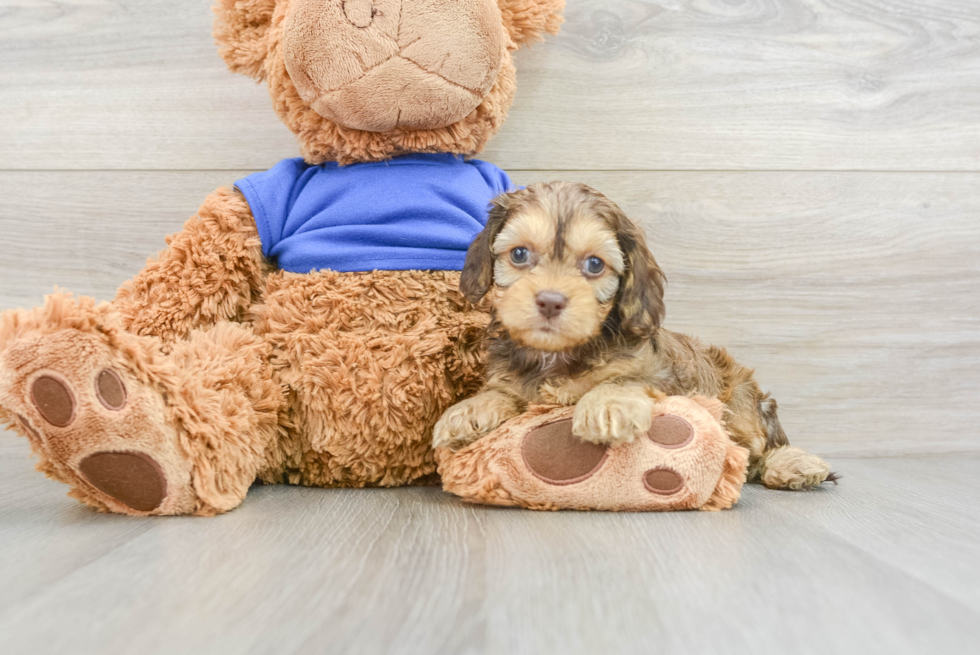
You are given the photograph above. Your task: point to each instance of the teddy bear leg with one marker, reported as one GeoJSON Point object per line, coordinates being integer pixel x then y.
{"type": "Point", "coordinates": [685, 460]}
{"type": "Point", "coordinates": [130, 429]}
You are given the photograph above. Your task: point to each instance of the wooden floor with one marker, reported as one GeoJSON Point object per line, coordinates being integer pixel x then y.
{"type": "Point", "coordinates": [808, 173]}
{"type": "Point", "coordinates": [886, 562]}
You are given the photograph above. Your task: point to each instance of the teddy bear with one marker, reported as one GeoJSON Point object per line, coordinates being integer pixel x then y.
{"type": "Point", "coordinates": [305, 326]}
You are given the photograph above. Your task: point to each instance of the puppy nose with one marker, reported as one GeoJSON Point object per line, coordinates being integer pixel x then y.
{"type": "Point", "coordinates": [551, 303]}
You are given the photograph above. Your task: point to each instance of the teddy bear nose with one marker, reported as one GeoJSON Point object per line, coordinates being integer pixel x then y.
{"type": "Point", "coordinates": [551, 303]}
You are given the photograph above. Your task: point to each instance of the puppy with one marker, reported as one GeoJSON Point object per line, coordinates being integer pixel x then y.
{"type": "Point", "coordinates": [577, 302]}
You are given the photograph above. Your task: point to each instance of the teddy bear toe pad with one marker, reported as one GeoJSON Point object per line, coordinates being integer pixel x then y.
{"type": "Point", "coordinates": [54, 400]}
{"type": "Point", "coordinates": [663, 481]}
{"type": "Point", "coordinates": [110, 390]}
{"type": "Point", "coordinates": [671, 431]}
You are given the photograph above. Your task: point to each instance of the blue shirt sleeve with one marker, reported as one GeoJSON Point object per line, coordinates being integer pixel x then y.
{"type": "Point", "coordinates": [269, 195]}
{"type": "Point", "coordinates": [498, 181]}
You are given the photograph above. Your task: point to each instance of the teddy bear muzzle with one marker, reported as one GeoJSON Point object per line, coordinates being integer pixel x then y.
{"type": "Point", "coordinates": [378, 65]}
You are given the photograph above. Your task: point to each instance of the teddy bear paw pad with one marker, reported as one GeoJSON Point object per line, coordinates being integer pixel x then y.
{"type": "Point", "coordinates": [556, 456]}
{"type": "Point", "coordinates": [134, 479]}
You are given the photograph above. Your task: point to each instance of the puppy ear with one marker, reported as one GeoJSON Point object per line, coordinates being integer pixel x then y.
{"type": "Point", "coordinates": [640, 299]}
{"type": "Point", "coordinates": [526, 20]}
{"type": "Point", "coordinates": [240, 30]}
{"type": "Point", "coordinates": [477, 275]}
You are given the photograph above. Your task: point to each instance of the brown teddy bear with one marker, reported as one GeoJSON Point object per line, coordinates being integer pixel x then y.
{"type": "Point", "coordinates": [304, 327]}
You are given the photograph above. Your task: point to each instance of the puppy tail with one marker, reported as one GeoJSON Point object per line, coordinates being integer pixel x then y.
{"type": "Point", "coordinates": [783, 466]}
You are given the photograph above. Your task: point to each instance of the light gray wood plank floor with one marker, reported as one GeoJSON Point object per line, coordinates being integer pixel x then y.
{"type": "Point", "coordinates": [883, 563]}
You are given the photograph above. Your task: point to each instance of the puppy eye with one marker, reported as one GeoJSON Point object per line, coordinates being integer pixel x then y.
{"type": "Point", "coordinates": [594, 265]}
{"type": "Point", "coordinates": [519, 255]}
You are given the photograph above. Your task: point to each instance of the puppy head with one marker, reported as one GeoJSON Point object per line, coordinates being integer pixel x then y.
{"type": "Point", "coordinates": [564, 263]}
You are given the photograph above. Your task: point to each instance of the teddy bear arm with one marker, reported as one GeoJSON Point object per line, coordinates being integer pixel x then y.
{"type": "Point", "coordinates": [212, 270]}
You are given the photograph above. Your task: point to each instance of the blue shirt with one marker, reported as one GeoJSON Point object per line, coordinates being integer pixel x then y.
{"type": "Point", "coordinates": [417, 211]}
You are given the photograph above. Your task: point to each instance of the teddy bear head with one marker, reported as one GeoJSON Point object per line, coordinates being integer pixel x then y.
{"type": "Point", "coordinates": [365, 80]}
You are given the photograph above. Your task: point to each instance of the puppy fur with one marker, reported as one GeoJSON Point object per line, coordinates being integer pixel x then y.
{"type": "Point", "coordinates": [577, 304]}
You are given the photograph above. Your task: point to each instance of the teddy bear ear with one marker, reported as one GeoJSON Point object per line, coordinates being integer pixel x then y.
{"type": "Point", "coordinates": [240, 30]}
{"type": "Point", "coordinates": [527, 20]}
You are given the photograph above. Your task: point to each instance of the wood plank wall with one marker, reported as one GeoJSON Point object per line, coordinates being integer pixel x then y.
{"type": "Point", "coordinates": [808, 172]}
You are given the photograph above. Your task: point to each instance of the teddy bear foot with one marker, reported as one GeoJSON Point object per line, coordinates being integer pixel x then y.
{"type": "Point", "coordinates": [685, 461]}
{"type": "Point", "coordinates": [82, 392]}
{"type": "Point", "coordinates": [102, 432]}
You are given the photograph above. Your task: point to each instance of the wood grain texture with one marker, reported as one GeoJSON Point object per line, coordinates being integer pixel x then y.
{"type": "Point", "coordinates": [629, 84]}
{"type": "Point", "coordinates": [879, 564]}
{"type": "Point", "coordinates": [853, 295]}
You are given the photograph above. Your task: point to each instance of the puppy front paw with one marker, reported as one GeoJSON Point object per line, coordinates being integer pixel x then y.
{"type": "Point", "coordinates": [612, 416]}
{"type": "Point", "coordinates": [467, 421]}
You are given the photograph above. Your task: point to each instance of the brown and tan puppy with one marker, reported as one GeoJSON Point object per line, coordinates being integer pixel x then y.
{"type": "Point", "coordinates": [577, 306]}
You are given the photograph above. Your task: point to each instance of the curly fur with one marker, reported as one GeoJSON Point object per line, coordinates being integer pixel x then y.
{"type": "Point", "coordinates": [212, 270]}
{"type": "Point", "coordinates": [372, 360]}
{"type": "Point", "coordinates": [241, 30]}
{"type": "Point", "coordinates": [528, 20]}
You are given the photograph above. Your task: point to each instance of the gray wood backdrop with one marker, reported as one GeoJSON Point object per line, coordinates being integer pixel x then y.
{"type": "Point", "coordinates": [808, 172]}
